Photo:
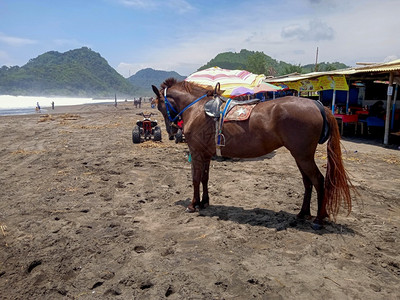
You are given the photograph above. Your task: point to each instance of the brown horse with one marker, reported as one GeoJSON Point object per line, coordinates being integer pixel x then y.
{"type": "Point", "coordinates": [293, 122]}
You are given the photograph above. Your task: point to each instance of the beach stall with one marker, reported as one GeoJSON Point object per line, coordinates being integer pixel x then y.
{"type": "Point", "coordinates": [353, 91]}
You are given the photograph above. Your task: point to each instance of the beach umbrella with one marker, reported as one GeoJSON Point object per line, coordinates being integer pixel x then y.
{"type": "Point", "coordinates": [266, 87]}
{"type": "Point", "coordinates": [261, 88]}
{"type": "Point", "coordinates": [239, 91]}
{"type": "Point", "coordinates": [228, 79]}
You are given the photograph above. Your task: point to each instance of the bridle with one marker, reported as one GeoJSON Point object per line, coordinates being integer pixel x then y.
{"type": "Point", "coordinates": [170, 108]}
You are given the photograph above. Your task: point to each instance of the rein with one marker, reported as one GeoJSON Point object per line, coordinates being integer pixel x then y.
{"type": "Point", "coordinates": [169, 107]}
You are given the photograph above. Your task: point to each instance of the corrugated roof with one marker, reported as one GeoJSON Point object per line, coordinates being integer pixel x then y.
{"type": "Point", "coordinates": [309, 75]}
{"type": "Point", "coordinates": [380, 67]}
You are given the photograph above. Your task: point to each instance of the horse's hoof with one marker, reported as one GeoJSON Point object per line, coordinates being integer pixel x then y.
{"type": "Point", "coordinates": [317, 226]}
{"type": "Point", "coordinates": [204, 205]}
{"type": "Point", "coordinates": [303, 217]}
{"type": "Point", "coordinates": [191, 209]}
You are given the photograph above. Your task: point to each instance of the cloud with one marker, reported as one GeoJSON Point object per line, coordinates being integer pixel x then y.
{"type": "Point", "coordinates": [3, 55]}
{"type": "Point", "coordinates": [315, 31]}
{"type": "Point", "coordinates": [142, 4]}
{"type": "Point", "coordinates": [15, 41]}
{"type": "Point", "coordinates": [181, 6]}
{"type": "Point", "coordinates": [68, 43]}
{"type": "Point", "coordinates": [390, 58]}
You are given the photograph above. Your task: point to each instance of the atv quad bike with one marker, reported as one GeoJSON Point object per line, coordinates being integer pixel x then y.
{"type": "Point", "coordinates": [146, 129]}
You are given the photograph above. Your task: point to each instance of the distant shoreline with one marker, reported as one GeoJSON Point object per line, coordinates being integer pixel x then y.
{"type": "Point", "coordinates": [59, 108]}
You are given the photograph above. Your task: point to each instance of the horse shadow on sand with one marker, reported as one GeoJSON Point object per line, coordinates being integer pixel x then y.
{"type": "Point", "coordinates": [262, 217]}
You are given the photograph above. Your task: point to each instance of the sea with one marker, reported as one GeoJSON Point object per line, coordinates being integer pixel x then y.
{"type": "Point", "coordinates": [23, 105]}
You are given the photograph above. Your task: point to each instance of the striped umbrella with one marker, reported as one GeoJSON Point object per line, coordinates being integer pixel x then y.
{"type": "Point", "coordinates": [266, 87]}
{"type": "Point", "coordinates": [228, 79]}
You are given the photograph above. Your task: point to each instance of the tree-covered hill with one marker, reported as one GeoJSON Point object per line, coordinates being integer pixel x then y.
{"type": "Point", "coordinates": [79, 73]}
{"type": "Point", "coordinates": [84, 73]}
{"type": "Point", "coordinates": [324, 67]}
{"type": "Point", "coordinates": [260, 63]}
{"type": "Point", "coordinates": [145, 78]}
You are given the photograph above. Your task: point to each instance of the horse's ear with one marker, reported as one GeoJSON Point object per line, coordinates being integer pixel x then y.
{"type": "Point", "coordinates": [156, 91]}
{"type": "Point", "coordinates": [217, 89]}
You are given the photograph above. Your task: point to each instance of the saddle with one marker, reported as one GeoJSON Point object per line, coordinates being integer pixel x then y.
{"type": "Point", "coordinates": [219, 107]}
{"type": "Point", "coordinates": [216, 107]}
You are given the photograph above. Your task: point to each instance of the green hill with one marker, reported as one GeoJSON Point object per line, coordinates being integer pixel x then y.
{"type": "Point", "coordinates": [79, 73]}
{"type": "Point", "coordinates": [260, 63]}
{"type": "Point", "coordinates": [84, 73]}
{"type": "Point", "coordinates": [147, 77]}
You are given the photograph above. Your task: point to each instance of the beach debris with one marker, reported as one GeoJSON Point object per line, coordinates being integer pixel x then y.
{"type": "Point", "coordinates": [152, 144]}
{"type": "Point", "coordinates": [3, 229]}
{"type": "Point", "coordinates": [392, 160]}
{"type": "Point", "coordinates": [45, 118]}
{"type": "Point", "coordinates": [71, 117]}
{"type": "Point", "coordinates": [26, 152]}
{"type": "Point", "coordinates": [64, 117]}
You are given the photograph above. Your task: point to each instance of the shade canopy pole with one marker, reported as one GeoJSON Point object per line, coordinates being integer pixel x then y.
{"type": "Point", "coordinates": [348, 98]}
{"type": "Point", "coordinates": [388, 106]}
{"type": "Point", "coordinates": [394, 105]}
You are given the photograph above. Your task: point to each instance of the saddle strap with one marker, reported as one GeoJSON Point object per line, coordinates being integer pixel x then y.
{"type": "Point", "coordinates": [219, 137]}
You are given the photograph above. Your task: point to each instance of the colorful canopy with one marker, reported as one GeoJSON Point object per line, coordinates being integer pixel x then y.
{"type": "Point", "coordinates": [266, 87]}
{"type": "Point", "coordinates": [240, 91]}
{"type": "Point", "coordinates": [228, 79]}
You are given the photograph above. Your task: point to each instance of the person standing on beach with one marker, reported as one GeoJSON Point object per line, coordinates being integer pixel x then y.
{"type": "Point", "coordinates": [52, 105]}
{"type": "Point", "coordinates": [37, 107]}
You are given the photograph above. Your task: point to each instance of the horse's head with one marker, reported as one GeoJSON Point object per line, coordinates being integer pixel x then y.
{"type": "Point", "coordinates": [159, 101]}
{"type": "Point", "coordinates": [174, 98]}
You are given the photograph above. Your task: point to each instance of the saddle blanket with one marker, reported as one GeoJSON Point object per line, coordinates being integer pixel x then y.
{"type": "Point", "coordinates": [239, 113]}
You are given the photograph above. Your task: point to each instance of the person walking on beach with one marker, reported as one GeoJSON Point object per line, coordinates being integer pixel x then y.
{"type": "Point", "coordinates": [37, 107]}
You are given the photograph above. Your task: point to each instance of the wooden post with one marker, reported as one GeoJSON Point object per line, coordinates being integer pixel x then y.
{"type": "Point", "coordinates": [388, 106]}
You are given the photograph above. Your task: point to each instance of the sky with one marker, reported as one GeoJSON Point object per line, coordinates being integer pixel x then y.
{"type": "Point", "coordinates": [183, 35]}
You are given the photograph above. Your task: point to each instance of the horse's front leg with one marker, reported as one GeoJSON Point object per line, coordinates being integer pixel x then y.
{"type": "Point", "coordinates": [205, 201]}
{"type": "Point", "coordinates": [197, 170]}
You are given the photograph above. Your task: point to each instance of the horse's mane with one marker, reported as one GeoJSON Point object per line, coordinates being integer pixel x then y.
{"type": "Point", "coordinates": [188, 86]}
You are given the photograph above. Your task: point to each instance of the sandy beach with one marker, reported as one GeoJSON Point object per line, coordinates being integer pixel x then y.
{"type": "Point", "coordinates": [87, 214]}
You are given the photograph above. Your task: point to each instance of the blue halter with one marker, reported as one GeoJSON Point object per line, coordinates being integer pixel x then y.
{"type": "Point", "coordinates": [169, 107]}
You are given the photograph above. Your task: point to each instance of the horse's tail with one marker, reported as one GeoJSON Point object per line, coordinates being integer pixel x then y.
{"type": "Point", "coordinates": [337, 181]}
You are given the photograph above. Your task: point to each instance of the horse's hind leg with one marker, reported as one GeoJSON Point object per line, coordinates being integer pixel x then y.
{"type": "Point", "coordinates": [305, 212]}
{"type": "Point", "coordinates": [311, 173]}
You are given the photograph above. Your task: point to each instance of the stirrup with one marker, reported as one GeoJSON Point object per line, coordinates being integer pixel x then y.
{"type": "Point", "coordinates": [221, 140]}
